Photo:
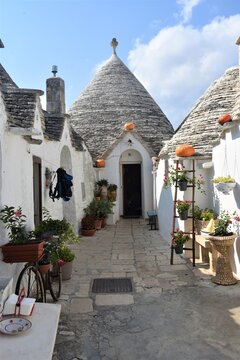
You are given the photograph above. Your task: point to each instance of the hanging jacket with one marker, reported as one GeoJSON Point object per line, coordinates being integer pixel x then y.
{"type": "Point", "coordinates": [63, 186]}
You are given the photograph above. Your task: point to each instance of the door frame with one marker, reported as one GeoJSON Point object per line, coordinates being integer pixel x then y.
{"type": "Point", "coordinates": [37, 182]}
{"type": "Point", "coordinates": [121, 186]}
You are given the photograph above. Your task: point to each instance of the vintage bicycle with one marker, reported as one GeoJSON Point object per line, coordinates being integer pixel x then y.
{"type": "Point", "coordinates": [36, 282]}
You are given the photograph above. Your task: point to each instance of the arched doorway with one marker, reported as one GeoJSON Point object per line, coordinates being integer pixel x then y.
{"type": "Point", "coordinates": [131, 169]}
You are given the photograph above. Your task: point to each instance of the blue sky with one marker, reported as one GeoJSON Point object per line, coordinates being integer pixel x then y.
{"type": "Point", "coordinates": [175, 48]}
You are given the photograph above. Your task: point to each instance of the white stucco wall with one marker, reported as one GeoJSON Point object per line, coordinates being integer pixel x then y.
{"type": "Point", "coordinates": [226, 161]}
{"type": "Point", "coordinates": [16, 163]}
{"type": "Point", "coordinates": [123, 154]}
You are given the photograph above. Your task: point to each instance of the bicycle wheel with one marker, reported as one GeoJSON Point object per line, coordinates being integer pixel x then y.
{"type": "Point", "coordinates": [31, 280]}
{"type": "Point", "coordinates": [54, 278]}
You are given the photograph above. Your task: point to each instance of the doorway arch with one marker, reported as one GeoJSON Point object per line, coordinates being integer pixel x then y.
{"type": "Point", "coordinates": [131, 184]}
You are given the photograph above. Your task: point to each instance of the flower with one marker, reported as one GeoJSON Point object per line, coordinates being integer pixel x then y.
{"type": "Point", "coordinates": [237, 224]}
{"type": "Point", "coordinates": [182, 206]}
{"type": "Point", "coordinates": [222, 227]}
{"type": "Point", "coordinates": [179, 238]}
{"type": "Point", "coordinates": [14, 221]}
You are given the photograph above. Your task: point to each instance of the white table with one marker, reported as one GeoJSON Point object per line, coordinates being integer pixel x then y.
{"type": "Point", "coordinates": [38, 342]}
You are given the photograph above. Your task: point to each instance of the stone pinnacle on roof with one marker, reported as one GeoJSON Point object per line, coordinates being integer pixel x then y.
{"type": "Point", "coordinates": [114, 44]}
{"type": "Point", "coordinates": [1, 44]}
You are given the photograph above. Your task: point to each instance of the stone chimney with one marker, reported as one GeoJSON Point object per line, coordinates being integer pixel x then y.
{"type": "Point", "coordinates": [236, 109]}
{"type": "Point", "coordinates": [55, 93]}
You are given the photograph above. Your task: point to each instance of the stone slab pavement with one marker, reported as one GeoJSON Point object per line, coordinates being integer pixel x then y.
{"type": "Point", "coordinates": [175, 312]}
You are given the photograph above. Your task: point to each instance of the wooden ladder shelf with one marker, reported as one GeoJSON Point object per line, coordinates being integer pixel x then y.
{"type": "Point", "coordinates": [175, 216]}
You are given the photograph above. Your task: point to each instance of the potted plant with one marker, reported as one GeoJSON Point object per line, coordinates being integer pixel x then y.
{"type": "Point", "coordinates": [112, 192]}
{"type": "Point", "coordinates": [182, 208]}
{"type": "Point", "coordinates": [222, 239]}
{"type": "Point", "coordinates": [50, 256]}
{"type": "Point", "coordinates": [104, 209]}
{"type": "Point", "coordinates": [61, 228]}
{"type": "Point", "coordinates": [225, 184]}
{"type": "Point", "coordinates": [180, 178]}
{"type": "Point", "coordinates": [97, 192]}
{"type": "Point", "coordinates": [178, 240]}
{"type": "Point", "coordinates": [202, 217]}
{"type": "Point", "coordinates": [88, 225]}
{"type": "Point", "coordinates": [22, 246]}
{"type": "Point", "coordinates": [93, 209]}
{"type": "Point", "coordinates": [66, 256]}
{"type": "Point", "coordinates": [103, 184]}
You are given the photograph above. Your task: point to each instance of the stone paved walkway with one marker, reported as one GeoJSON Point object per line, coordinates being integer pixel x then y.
{"type": "Point", "coordinates": [174, 311]}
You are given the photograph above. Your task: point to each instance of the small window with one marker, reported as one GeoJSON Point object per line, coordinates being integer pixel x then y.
{"type": "Point", "coordinates": [83, 191]}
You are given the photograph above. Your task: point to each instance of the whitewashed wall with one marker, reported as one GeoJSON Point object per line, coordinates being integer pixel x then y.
{"type": "Point", "coordinates": [113, 171]}
{"type": "Point", "coordinates": [16, 180]}
{"type": "Point", "coordinates": [226, 161]}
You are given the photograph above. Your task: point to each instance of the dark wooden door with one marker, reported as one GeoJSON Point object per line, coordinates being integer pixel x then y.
{"type": "Point", "coordinates": [132, 190]}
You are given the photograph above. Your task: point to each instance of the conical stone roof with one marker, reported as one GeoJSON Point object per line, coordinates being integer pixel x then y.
{"type": "Point", "coordinates": [113, 98]}
{"type": "Point", "coordinates": [200, 128]}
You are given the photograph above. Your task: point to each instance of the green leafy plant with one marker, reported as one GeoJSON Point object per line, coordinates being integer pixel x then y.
{"type": "Point", "coordinates": [102, 182]}
{"type": "Point", "coordinates": [99, 209]}
{"type": "Point", "coordinates": [173, 176]}
{"type": "Point", "coordinates": [14, 221]}
{"type": "Point", "coordinates": [208, 214]}
{"type": "Point", "coordinates": [61, 228]}
{"type": "Point", "coordinates": [182, 206]}
{"type": "Point", "coordinates": [50, 253]}
{"type": "Point", "coordinates": [66, 254]}
{"type": "Point", "coordinates": [224, 179]}
{"type": "Point", "coordinates": [179, 238]}
{"type": "Point", "coordinates": [204, 214]}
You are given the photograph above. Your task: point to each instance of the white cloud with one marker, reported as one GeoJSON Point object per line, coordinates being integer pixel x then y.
{"type": "Point", "coordinates": [188, 5]}
{"type": "Point", "coordinates": [43, 102]}
{"type": "Point", "coordinates": [180, 62]}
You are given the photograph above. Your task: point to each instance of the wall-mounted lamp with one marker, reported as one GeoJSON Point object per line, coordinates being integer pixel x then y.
{"type": "Point", "coordinates": [129, 143]}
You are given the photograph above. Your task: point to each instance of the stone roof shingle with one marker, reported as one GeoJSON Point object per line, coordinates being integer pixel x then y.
{"type": "Point", "coordinates": [113, 98]}
{"type": "Point", "coordinates": [200, 128]}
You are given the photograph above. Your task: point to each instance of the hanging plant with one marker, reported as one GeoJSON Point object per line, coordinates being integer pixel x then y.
{"type": "Point", "coordinates": [224, 184]}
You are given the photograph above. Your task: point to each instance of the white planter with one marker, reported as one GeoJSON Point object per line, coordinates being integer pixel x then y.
{"type": "Point", "coordinates": [225, 188]}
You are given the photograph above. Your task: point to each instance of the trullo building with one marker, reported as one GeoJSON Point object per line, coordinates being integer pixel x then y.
{"type": "Point", "coordinates": [114, 98]}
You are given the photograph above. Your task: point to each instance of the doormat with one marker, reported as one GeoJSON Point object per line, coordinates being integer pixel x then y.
{"type": "Point", "coordinates": [131, 216]}
{"type": "Point", "coordinates": [112, 285]}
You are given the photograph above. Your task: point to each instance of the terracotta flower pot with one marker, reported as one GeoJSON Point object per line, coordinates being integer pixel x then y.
{"type": "Point", "coordinates": [98, 224]}
{"type": "Point", "coordinates": [44, 268]}
{"type": "Point", "coordinates": [14, 253]}
{"type": "Point", "coordinates": [89, 232]}
{"type": "Point", "coordinates": [104, 222]}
